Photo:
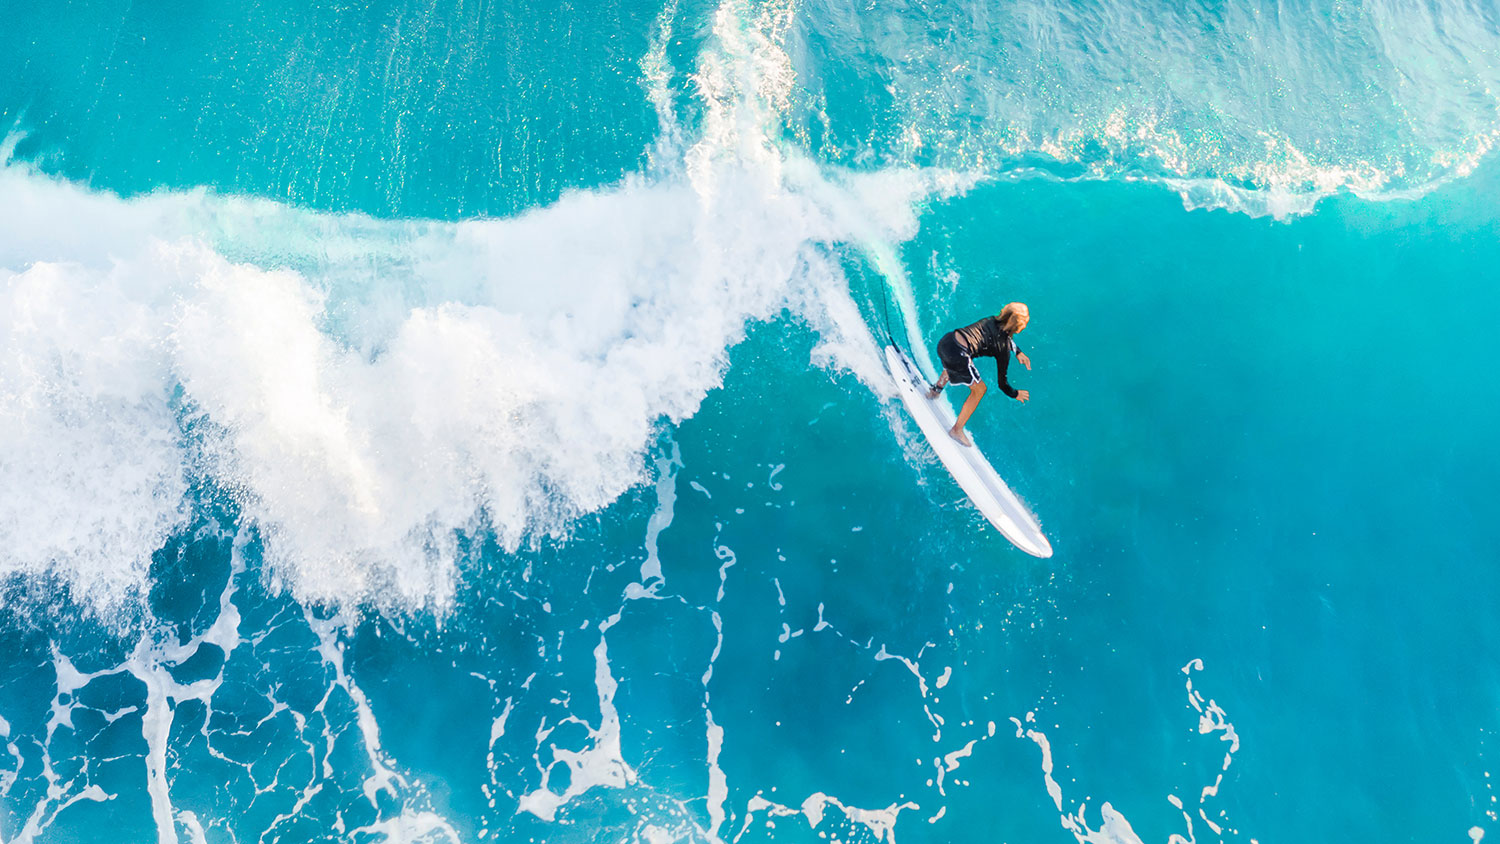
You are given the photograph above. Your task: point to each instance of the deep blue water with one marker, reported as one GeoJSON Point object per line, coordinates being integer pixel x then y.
{"type": "Point", "coordinates": [461, 422]}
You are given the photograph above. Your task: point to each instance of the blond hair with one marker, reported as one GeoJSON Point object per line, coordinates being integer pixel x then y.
{"type": "Point", "coordinates": [1010, 316]}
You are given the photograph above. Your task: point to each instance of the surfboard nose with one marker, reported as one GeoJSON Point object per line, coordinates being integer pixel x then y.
{"type": "Point", "coordinates": [1042, 548]}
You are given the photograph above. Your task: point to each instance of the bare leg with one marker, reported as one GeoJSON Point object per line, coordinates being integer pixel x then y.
{"type": "Point", "coordinates": [938, 387]}
{"type": "Point", "coordinates": [976, 392]}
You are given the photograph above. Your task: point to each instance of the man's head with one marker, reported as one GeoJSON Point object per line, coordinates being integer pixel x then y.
{"type": "Point", "coordinates": [1014, 317]}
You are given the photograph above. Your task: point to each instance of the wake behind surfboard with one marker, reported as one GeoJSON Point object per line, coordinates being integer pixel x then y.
{"type": "Point", "coordinates": [968, 466]}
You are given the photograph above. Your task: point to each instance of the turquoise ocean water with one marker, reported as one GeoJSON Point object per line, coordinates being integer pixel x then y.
{"type": "Point", "coordinates": [455, 421]}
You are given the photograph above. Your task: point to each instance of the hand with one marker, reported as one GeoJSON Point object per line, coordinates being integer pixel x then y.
{"type": "Point", "coordinates": [1023, 395]}
{"type": "Point", "coordinates": [1025, 361]}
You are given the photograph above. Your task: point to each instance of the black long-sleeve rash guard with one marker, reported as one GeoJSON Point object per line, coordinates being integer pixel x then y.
{"type": "Point", "coordinates": [986, 338]}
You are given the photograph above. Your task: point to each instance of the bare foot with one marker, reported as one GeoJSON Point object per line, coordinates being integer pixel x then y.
{"type": "Point", "coordinates": [958, 434]}
{"type": "Point", "coordinates": [933, 393]}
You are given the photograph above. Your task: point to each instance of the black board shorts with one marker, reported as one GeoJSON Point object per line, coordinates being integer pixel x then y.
{"type": "Point", "coordinates": [956, 361]}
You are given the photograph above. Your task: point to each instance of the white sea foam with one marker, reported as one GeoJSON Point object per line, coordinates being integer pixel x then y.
{"type": "Point", "coordinates": [880, 822]}
{"type": "Point", "coordinates": [1114, 828]}
{"type": "Point", "coordinates": [601, 763]}
{"type": "Point", "coordinates": [89, 457]}
{"type": "Point", "coordinates": [666, 498]}
{"type": "Point", "coordinates": [168, 746]}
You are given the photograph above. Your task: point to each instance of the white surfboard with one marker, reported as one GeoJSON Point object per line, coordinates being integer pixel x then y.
{"type": "Point", "coordinates": [967, 465]}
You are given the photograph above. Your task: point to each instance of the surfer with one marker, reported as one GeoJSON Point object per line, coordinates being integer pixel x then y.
{"type": "Point", "coordinates": [989, 337]}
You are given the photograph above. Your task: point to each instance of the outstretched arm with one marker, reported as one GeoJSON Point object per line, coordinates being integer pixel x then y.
{"type": "Point", "coordinates": [1019, 395]}
{"type": "Point", "coordinates": [1020, 355]}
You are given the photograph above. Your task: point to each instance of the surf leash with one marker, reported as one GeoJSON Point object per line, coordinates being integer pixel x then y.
{"type": "Point", "coordinates": [890, 338]}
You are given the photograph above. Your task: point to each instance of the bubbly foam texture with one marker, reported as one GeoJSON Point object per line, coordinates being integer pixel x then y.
{"type": "Point", "coordinates": [92, 473]}
{"type": "Point", "coordinates": [368, 390]}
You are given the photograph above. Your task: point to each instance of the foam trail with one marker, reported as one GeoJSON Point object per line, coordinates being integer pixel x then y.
{"type": "Point", "coordinates": [168, 744]}
{"type": "Point", "coordinates": [383, 779]}
{"type": "Point", "coordinates": [602, 764]}
{"type": "Point", "coordinates": [661, 518]}
{"type": "Point", "coordinates": [412, 827]}
{"type": "Point", "coordinates": [880, 822]}
{"type": "Point", "coordinates": [1114, 828]}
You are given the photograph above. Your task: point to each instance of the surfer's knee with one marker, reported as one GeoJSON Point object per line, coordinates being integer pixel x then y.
{"type": "Point", "coordinates": [978, 388]}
